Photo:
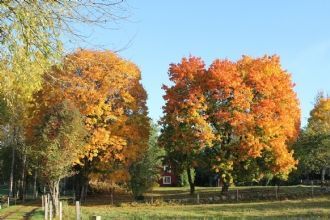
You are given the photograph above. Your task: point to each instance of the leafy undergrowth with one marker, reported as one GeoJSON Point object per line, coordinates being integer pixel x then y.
{"type": "Point", "coordinates": [288, 209]}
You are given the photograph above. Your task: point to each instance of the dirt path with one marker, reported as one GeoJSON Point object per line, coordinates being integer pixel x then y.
{"type": "Point", "coordinates": [29, 214]}
{"type": "Point", "coordinates": [19, 212]}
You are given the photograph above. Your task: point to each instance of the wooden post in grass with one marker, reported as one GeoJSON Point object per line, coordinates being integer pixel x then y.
{"type": "Point", "coordinates": [276, 191]}
{"type": "Point", "coordinates": [237, 195]}
{"type": "Point", "coordinates": [46, 207]}
{"type": "Point", "coordinates": [77, 210]}
{"type": "Point", "coordinates": [47, 200]}
{"type": "Point", "coordinates": [50, 210]}
{"type": "Point", "coordinates": [197, 198]}
{"type": "Point", "coordinates": [43, 203]}
{"type": "Point", "coordinates": [8, 201]}
{"type": "Point", "coordinates": [152, 200]}
{"type": "Point", "coordinates": [61, 210]}
{"type": "Point", "coordinates": [312, 188]}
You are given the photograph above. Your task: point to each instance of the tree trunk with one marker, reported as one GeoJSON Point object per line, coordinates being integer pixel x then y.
{"type": "Point", "coordinates": [22, 185]}
{"type": "Point", "coordinates": [84, 188]}
{"type": "Point", "coordinates": [83, 182]}
{"type": "Point", "coordinates": [54, 194]}
{"type": "Point", "coordinates": [82, 193]}
{"type": "Point", "coordinates": [225, 187]}
{"type": "Point", "coordinates": [323, 176]}
{"type": "Point", "coordinates": [191, 182]}
{"type": "Point", "coordinates": [225, 184]}
{"type": "Point", "coordinates": [11, 178]}
{"type": "Point", "coordinates": [35, 185]}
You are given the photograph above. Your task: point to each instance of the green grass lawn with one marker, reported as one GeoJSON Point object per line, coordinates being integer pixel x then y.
{"type": "Point", "coordinates": [289, 209]}
{"type": "Point", "coordinates": [167, 205]}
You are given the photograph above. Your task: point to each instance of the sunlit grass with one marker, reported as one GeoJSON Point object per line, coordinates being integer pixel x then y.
{"type": "Point", "coordinates": [299, 207]}
{"type": "Point", "coordinates": [303, 208]}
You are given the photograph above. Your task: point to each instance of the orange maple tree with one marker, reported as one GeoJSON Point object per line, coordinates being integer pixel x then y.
{"type": "Point", "coordinates": [243, 115]}
{"type": "Point", "coordinates": [186, 131]}
{"type": "Point", "coordinates": [256, 114]}
{"type": "Point", "coordinates": [107, 91]}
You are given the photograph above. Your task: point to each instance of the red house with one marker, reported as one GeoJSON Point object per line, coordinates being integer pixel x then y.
{"type": "Point", "coordinates": [168, 178]}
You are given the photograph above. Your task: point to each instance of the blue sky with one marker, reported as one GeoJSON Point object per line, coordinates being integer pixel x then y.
{"type": "Point", "coordinates": [158, 33]}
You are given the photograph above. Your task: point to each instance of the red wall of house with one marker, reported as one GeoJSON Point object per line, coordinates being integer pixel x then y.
{"type": "Point", "coordinates": [174, 179]}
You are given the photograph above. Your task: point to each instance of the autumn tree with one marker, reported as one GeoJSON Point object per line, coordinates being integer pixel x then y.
{"type": "Point", "coordinates": [37, 26]}
{"type": "Point", "coordinates": [20, 78]}
{"type": "Point", "coordinates": [319, 121]}
{"type": "Point", "coordinates": [31, 33]}
{"type": "Point", "coordinates": [185, 130]}
{"type": "Point", "coordinates": [255, 112]}
{"type": "Point", "coordinates": [313, 146]}
{"type": "Point", "coordinates": [108, 93]}
{"type": "Point", "coordinates": [243, 115]}
{"type": "Point", "coordinates": [30, 43]}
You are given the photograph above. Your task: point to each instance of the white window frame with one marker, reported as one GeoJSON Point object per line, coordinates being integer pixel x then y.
{"type": "Point", "coordinates": [167, 168]}
{"type": "Point", "coordinates": [167, 180]}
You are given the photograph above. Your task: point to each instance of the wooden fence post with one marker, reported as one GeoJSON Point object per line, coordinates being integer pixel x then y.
{"type": "Point", "coordinates": [237, 195]}
{"type": "Point", "coordinates": [111, 197]}
{"type": "Point", "coordinates": [47, 200]}
{"type": "Point", "coordinates": [61, 210]}
{"type": "Point", "coordinates": [50, 210]}
{"type": "Point", "coordinates": [312, 188]}
{"type": "Point", "coordinates": [8, 201]}
{"type": "Point", "coordinates": [77, 210]}
{"type": "Point", "coordinates": [46, 207]}
{"type": "Point", "coordinates": [43, 202]}
{"type": "Point", "coordinates": [197, 198]}
{"type": "Point", "coordinates": [276, 191]}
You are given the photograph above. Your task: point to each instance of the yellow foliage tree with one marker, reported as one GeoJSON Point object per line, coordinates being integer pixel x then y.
{"type": "Point", "coordinates": [107, 91]}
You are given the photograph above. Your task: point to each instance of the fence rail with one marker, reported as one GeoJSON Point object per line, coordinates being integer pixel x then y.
{"type": "Point", "coordinates": [251, 194]}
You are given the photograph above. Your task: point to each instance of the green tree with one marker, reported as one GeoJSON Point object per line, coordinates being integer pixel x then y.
{"type": "Point", "coordinates": [313, 146]}
{"type": "Point", "coordinates": [145, 172]}
{"type": "Point", "coordinates": [56, 143]}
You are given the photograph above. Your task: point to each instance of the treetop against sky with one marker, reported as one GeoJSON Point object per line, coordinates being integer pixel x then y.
{"type": "Point", "coordinates": [156, 34]}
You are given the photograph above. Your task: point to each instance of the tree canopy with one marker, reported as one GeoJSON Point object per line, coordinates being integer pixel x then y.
{"type": "Point", "coordinates": [313, 146]}
{"type": "Point", "coordinates": [245, 114]}
{"type": "Point", "coordinates": [108, 93]}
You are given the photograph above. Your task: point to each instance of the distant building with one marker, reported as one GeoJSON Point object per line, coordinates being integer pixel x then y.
{"type": "Point", "coordinates": [168, 177]}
